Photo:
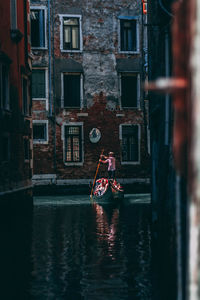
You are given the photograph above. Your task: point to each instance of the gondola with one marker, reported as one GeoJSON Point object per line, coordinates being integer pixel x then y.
{"type": "Point", "coordinates": [102, 190]}
{"type": "Point", "coordinates": [107, 190]}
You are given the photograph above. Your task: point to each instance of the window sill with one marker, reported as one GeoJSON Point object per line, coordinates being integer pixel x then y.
{"type": "Point", "coordinates": [73, 164]}
{"type": "Point", "coordinates": [40, 142]}
{"type": "Point", "coordinates": [39, 48]}
{"type": "Point", "coordinates": [71, 51]}
{"type": "Point", "coordinates": [39, 99]}
{"type": "Point", "coordinates": [130, 163]}
{"type": "Point", "coordinates": [73, 108]}
{"type": "Point", "coordinates": [129, 52]}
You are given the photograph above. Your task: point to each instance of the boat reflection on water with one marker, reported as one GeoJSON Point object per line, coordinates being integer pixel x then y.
{"type": "Point", "coordinates": [107, 222]}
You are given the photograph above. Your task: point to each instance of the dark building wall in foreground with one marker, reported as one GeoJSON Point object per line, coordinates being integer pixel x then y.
{"type": "Point", "coordinates": [169, 183]}
{"type": "Point", "coordinates": [15, 100]}
{"type": "Point", "coordinates": [100, 64]}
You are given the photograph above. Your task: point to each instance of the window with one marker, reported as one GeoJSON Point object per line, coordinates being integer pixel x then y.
{"type": "Point", "coordinates": [39, 83]}
{"type": "Point", "coordinates": [73, 144]}
{"type": "Point", "coordinates": [4, 87]}
{"type": "Point", "coordinates": [13, 14]}
{"type": "Point", "coordinates": [25, 106]}
{"type": "Point", "coordinates": [40, 131]}
{"type": "Point", "coordinates": [72, 90]}
{"type": "Point", "coordinates": [26, 149]}
{"type": "Point", "coordinates": [71, 39]}
{"type": "Point", "coordinates": [130, 143]}
{"type": "Point", "coordinates": [129, 35]}
{"type": "Point", "coordinates": [38, 27]}
{"type": "Point", "coordinates": [130, 90]}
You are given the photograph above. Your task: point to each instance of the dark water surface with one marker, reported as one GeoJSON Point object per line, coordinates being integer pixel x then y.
{"type": "Point", "coordinates": [89, 251]}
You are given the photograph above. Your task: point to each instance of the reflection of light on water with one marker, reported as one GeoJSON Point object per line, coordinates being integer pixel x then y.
{"type": "Point", "coordinates": [106, 231]}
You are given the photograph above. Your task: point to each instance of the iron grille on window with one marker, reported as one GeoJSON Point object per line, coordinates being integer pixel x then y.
{"type": "Point", "coordinates": [73, 144]}
{"type": "Point", "coordinates": [72, 90]}
{"type": "Point", "coordinates": [128, 35]}
{"type": "Point", "coordinates": [71, 33]}
{"type": "Point", "coordinates": [38, 28]}
{"type": "Point", "coordinates": [39, 132]}
{"type": "Point", "coordinates": [130, 143]}
{"type": "Point", "coordinates": [129, 92]}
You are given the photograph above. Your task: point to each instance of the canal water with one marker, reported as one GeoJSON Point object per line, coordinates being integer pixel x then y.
{"type": "Point", "coordinates": [75, 249]}
{"type": "Point", "coordinates": [83, 250]}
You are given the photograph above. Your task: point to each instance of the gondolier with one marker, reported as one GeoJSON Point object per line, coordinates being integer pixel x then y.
{"type": "Point", "coordinates": [110, 160]}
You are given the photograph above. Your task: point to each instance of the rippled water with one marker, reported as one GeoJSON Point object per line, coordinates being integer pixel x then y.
{"type": "Point", "coordinates": [83, 250]}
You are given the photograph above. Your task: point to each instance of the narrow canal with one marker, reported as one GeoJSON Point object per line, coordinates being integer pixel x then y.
{"type": "Point", "coordinates": [91, 251]}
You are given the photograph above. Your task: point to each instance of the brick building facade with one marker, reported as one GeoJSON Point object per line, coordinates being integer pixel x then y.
{"type": "Point", "coordinates": [88, 70]}
{"type": "Point", "coordinates": [15, 101]}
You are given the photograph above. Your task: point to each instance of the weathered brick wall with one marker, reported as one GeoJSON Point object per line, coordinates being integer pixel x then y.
{"type": "Point", "coordinates": [99, 61]}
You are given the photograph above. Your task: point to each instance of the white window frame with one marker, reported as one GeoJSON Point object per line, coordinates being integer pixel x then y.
{"type": "Point", "coordinates": [137, 35]}
{"type": "Point", "coordinates": [46, 87]}
{"type": "Point", "coordinates": [7, 102]}
{"type": "Point", "coordinates": [62, 89]}
{"type": "Point", "coordinates": [138, 91]}
{"type": "Point", "coordinates": [41, 7]}
{"type": "Point", "coordinates": [63, 139]}
{"type": "Point", "coordinates": [61, 16]}
{"type": "Point", "coordinates": [47, 131]}
{"type": "Point", "coordinates": [139, 144]}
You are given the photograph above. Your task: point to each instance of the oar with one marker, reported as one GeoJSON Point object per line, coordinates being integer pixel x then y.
{"type": "Point", "coordinates": [96, 174]}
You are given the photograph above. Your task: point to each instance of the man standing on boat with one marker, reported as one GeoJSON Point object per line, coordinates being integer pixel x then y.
{"type": "Point", "coordinates": [111, 164]}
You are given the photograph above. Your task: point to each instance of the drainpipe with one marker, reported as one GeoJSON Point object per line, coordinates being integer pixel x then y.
{"type": "Point", "coordinates": [49, 46]}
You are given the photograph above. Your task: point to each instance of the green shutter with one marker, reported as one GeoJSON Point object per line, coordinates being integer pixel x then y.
{"type": "Point", "coordinates": [38, 84]}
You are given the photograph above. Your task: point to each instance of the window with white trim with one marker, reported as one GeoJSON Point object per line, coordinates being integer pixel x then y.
{"type": "Point", "coordinates": [130, 90]}
{"type": "Point", "coordinates": [40, 131]}
{"type": "Point", "coordinates": [72, 90]}
{"type": "Point", "coordinates": [4, 87]}
{"type": "Point", "coordinates": [129, 36]}
{"type": "Point", "coordinates": [70, 33]}
{"type": "Point", "coordinates": [38, 27]}
{"type": "Point", "coordinates": [130, 140]}
{"type": "Point", "coordinates": [39, 84]}
{"type": "Point", "coordinates": [73, 144]}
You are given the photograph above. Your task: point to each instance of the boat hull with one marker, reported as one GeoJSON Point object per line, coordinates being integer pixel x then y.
{"type": "Point", "coordinates": [107, 191]}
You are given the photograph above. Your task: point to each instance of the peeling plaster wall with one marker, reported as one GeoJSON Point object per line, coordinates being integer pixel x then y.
{"type": "Point", "coordinates": [100, 63]}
